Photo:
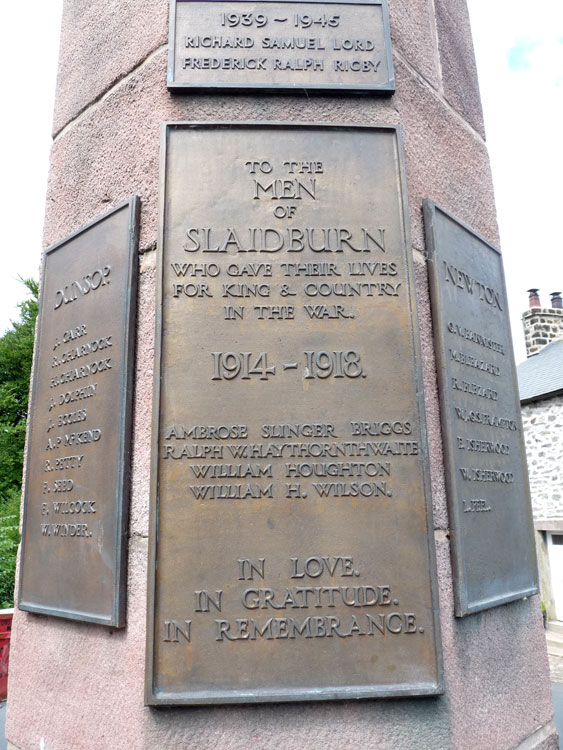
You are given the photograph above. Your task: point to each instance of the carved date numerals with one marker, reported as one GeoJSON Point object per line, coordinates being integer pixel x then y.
{"type": "Point", "coordinates": [229, 365]}
{"type": "Point", "coordinates": [243, 19]}
{"type": "Point", "coordinates": [304, 21]}
{"type": "Point", "coordinates": [321, 365]}
{"type": "Point", "coordinates": [259, 20]}
{"type": "Point", "coordinates": [324, 365]}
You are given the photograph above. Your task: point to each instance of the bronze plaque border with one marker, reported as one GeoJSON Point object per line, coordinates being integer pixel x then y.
{"type": "Point", "coordinates": [324, 88]}
{"type": "Point", "coordinates": [124, 420]}
{"type": "Point", "coordinates": [463, 604]}
{"type": "Point", "coordinates": [282, 695]}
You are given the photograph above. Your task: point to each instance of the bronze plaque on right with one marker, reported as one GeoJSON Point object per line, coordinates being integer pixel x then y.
{"type": "Point", "coordinates": [493, 546]}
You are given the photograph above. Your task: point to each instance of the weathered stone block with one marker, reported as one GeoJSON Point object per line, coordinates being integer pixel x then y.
{"type": "Point", "coordinates": [446, 161]}
{"type": "Point", "coordinates": [459, 69]}
{"type": "Point", "coordinates": [439, 503]}
{"type": "Point", "coordinates": [413, 35]}
{"type": "Point", "coordinates": [100, 44]}
{"type": "Point", "coordinates": [478, 655]}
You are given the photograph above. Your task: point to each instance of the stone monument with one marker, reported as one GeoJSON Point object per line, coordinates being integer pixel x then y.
{"type": "Point", "coordinates": [288, 507]}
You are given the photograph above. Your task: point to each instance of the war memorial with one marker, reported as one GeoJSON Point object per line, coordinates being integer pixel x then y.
{"type": "Point", "coordinates": [276, 492]}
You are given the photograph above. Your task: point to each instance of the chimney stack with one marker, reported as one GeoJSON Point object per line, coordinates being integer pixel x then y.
{"type": "Point", "coordinates": [542, 325]}
{"type": "Point", "coordinates": [534, 299]}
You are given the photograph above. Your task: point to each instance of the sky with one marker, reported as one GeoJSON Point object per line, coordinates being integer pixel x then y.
{"type": "Point", "coordinates": [519, 48]}
{"type": "Point", "coordinates": [27, 82]}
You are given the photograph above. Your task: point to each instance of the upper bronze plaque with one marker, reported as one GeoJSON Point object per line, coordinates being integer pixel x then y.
{"type": "Point", "coordinates": [489, 500]}
{"type": "Point", "coordinates": [294, 554]}
{"type": "Point", "coordinates": [74, 542]}
{"type": "Point", "coordinates": [280, 45]}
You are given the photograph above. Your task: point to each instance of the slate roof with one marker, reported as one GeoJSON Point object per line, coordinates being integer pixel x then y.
{"type": "Point", "coordinates": [541, 376]}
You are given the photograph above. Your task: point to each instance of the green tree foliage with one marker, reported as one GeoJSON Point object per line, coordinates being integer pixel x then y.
{"type": "Point", "coordinates": [16, 356]}
{"type": "Point", "coordinates": [9, 540]}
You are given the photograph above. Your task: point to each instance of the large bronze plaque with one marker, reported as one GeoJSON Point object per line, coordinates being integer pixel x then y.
{"type": "Point", "coordinates": [74, 542]}
{"type": "Point", "coordinates": [279, 45]}
{"type": "Point", "coordinates": [489, 499]}
{"type": "Point", "coordinates": [292, 552]}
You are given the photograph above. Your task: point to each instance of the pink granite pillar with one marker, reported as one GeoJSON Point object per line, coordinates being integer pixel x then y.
{"type": "Point", "coordinates": [80, 687]}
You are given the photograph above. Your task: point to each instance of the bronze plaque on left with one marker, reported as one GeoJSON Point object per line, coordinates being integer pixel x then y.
{"type": "Point", "coordinates": [280, 45]}
{"type": "Point", "coordinates": [74, 541]}
{"type": "Point", "coordinates": [291, 541]}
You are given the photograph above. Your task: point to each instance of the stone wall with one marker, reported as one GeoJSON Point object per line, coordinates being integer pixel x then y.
{"type": "Point", "coordinates": [78, 686]}
{"type": "Point", "coordinates": [541, 327]}
{"type": "Point", "coordinates": [543, 431]}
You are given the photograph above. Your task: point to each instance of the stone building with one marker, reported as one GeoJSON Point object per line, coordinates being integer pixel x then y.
{"type": "Point", "coordinates": [540, 380]}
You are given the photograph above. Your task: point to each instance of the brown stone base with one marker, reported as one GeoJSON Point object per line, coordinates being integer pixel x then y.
{"type": "Point", "coordinates": [543, 739]}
